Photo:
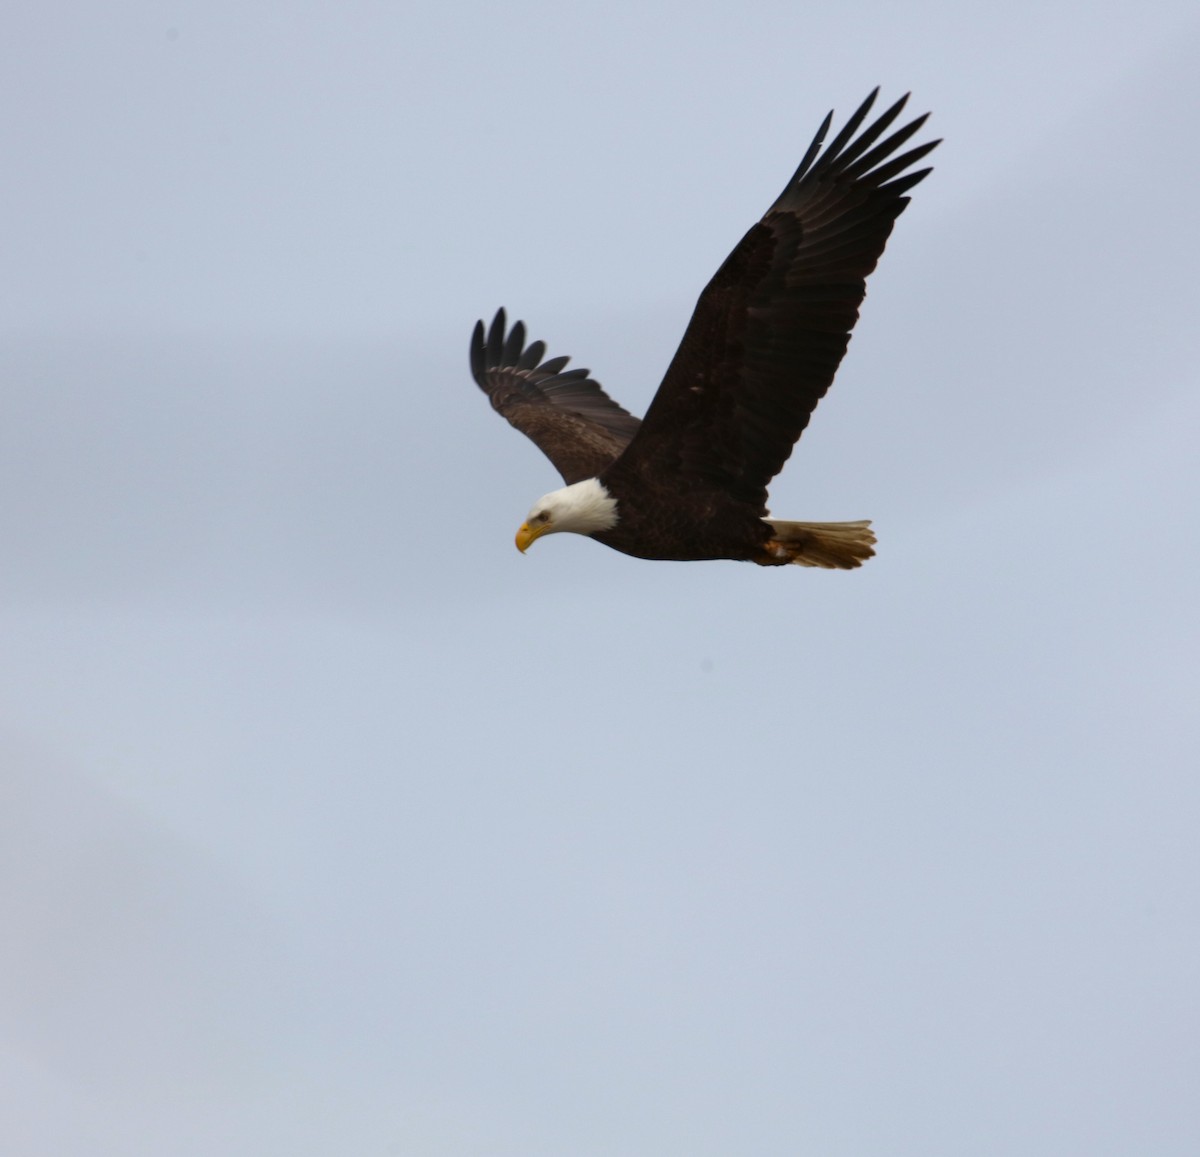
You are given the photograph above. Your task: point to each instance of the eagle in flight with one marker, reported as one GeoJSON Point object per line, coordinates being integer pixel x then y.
{"type": "Point", "coordinates": [689, 481]}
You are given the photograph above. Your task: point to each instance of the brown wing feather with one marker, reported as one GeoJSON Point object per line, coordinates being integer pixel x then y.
{"type": "Point", "coordinates": [567, 415]}
{"type": "Point", "coordinates": [772, 326]}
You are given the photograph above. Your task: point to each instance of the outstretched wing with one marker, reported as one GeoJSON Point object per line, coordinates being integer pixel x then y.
{"type": "Point", "coordinates": [569, 417]}
{"type": "Point", "coordinates": [771, 327]}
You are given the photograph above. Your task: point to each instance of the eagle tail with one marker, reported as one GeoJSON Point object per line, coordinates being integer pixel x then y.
{"type": "Point", "coordinates": [835, 545]}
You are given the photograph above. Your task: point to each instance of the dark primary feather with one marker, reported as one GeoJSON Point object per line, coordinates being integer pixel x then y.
{"type": "Point", "coordinates": [771, 327]}
{"type": "Point", "coordinates": [567, 414]}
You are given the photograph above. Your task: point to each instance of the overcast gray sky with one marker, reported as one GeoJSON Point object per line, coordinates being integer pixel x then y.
{"type": "Point", "coordinates": [333, 825]}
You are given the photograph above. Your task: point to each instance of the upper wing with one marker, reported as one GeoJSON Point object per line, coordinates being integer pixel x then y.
{"type": "Point", "coordinates": [771, 327]}
{"type": "Point", "coordinates": [570, 418]}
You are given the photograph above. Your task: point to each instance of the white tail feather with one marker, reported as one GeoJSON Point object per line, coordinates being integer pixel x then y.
{"type": "Point", "coordinates": [836, 545]}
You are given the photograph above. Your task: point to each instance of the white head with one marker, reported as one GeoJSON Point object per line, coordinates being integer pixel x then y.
{"type": "Point", "coordinates": [582, 508]}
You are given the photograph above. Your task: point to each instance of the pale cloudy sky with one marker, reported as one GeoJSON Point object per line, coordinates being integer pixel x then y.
{"type": "Point", "coordinates": [333, 825]}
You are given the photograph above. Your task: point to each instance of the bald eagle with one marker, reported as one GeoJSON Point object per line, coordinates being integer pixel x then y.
{"type": "Point", "coordinates": [689, 481]}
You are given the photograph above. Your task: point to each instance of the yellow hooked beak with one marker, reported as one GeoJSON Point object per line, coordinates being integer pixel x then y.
{"type": "Point", "coordinates": [527, 534]}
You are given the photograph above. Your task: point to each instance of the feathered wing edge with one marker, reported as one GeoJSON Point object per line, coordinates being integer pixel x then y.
{"type": "Point", "coordinates": [564, 412]}
{"type": "Point", "coordinates": [852, 161]}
